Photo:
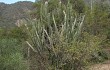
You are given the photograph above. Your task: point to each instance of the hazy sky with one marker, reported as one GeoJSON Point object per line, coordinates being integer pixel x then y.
{"type": "Point", "coordinates": [13, 1]}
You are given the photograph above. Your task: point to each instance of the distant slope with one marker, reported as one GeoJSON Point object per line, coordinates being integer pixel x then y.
{"type": "Point", "coordinates": [10, 13]}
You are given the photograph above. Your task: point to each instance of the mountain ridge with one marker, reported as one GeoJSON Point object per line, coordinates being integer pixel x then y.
{"type": "Point", "coordinates": [10, 13]}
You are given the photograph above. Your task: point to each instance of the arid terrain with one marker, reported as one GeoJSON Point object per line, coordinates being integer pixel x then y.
{"type": "Point", "coordinates": [102, 66]}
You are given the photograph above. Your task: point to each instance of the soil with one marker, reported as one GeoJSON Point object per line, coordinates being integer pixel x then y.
{"type": "Point", "coordinates": [103, 66]}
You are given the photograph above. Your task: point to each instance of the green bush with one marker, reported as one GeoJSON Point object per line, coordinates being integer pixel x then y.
{"type": "Point", "coordinates": [54, 39]}
{"type": "Point", "coordinates": [11, 57]}
{"type": "Point", "coordinates": [18, 33]}
{"type": "Point", "coordinates": [14, 32]}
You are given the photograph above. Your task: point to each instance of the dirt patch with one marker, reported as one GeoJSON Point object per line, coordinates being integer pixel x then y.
{"type": "Point", "coordinates": [100, 67]}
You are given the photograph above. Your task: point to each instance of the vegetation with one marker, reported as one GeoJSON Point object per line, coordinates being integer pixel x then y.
{"type": "Point", "coordinates": [64, 35]}
{"type": "Point", "coordinates": [11, 57]}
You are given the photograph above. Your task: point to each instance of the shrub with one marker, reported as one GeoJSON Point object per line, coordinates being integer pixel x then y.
{"type": "Point", "coordinates": [11, 57]}
{"type": "Point", "coordinates": [56, 45]}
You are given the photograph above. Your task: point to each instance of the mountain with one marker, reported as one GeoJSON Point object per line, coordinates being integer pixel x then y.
{"type": "Point", "coordinates": [10, 13]}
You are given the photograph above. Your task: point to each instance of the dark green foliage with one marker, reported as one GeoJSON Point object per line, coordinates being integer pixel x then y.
{"type": "Point", "coordinates": [11, 49]}
{"type": "Point", "coordinates": [11, 57]}
{"type": "Point", "coordinates": [98, 18]}
{"type": "Point", "coordinates": [15, 32]}
{"type": "Point", "coordinates": [77, 5]}
{"type": "Point", "coordinates": [18, 33]}
{"type": "Point", "coordinates": [97, 24]}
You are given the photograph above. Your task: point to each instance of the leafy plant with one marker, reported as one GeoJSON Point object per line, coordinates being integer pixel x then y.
{"type": "Point", "coordinates": [11, 57]}
{"type": "Point", "coordinates": [54, 39]}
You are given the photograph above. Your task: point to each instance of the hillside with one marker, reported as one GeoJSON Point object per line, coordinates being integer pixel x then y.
{"type": "Point", "coordinates": [55, 35]}
{"type": "Point", "coordinates": [10, 13]}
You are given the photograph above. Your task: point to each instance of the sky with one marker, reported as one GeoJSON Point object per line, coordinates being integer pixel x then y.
{"type": "Point", "coordinates": [13, 1]}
